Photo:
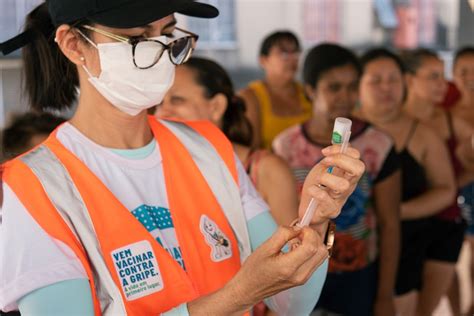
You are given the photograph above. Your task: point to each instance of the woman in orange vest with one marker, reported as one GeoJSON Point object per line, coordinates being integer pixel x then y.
{"type": "Point", "coordinates": [278, 101]}
{"type": "Point", "coordinates": [117, 213]}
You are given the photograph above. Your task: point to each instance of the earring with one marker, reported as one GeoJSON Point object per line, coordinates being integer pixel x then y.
{"type": "Point", "coordinates": [82, 59]}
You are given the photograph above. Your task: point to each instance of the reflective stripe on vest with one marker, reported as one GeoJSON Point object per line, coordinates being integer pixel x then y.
{"type": "Point", "coordinates": [214, 171]}
{"type": "Point", "coordinates": [85, 204]}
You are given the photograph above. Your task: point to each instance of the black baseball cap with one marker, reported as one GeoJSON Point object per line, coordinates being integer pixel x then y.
{"type": "Point", "coordinates": [113, 13]}
{"type": "Point", "coordinates": [125, 13]}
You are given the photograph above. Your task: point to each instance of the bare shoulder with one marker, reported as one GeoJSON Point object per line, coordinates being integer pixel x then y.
{"type": "Point", "coordinates": [461, 127]}
{"type": "Point", "coordinates": [426, 134]}
{"type": "Point", "coordinates": [248, 95]}
{"type": "Point", "coordinates": [428, 141]}
{"type": "Point", "coordinates": [272, 165]}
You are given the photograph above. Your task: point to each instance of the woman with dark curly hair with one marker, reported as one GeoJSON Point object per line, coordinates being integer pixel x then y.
{"type": "Point", "coordinates": [27, 130]}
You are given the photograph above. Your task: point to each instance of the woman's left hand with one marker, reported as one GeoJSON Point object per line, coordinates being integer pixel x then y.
{"type": "Point", "coordinates": [331, 190]}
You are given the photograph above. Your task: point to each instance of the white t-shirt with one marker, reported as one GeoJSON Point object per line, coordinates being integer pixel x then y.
{"type": "Point", "coordinates": [31, 259]}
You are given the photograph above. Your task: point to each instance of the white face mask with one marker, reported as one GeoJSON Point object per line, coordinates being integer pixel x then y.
{"type": "Point", "coordinates": [127, 87]}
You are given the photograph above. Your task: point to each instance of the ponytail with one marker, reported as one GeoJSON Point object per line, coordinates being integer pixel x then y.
{"type": "Point", "coordinates": [235, 124]}
{"type": "Point", "coordinates": [50, 79]}
{"type": "Point", "coordinates": [214, 79]}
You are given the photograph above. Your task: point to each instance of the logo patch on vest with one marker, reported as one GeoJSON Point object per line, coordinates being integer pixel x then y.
{"type": "Point", "coordinates": [138, 270]}
{"type": "Point", "coordinates": [218, 242]}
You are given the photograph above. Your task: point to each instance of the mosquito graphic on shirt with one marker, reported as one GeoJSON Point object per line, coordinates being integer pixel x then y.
{"type": "Point", "coordinates": [216, 239]}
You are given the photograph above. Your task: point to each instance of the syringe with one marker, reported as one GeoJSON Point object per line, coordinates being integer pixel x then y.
{"type": "Point", "coordinates": [341, 135]}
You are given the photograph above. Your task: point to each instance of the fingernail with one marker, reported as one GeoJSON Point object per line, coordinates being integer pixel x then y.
{"type": "Point", "coordinates": [294, 244]}
{"type": "Point", "coordinates": [328, 160]}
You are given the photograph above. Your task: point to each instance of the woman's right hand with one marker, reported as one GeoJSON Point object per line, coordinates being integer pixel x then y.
{"type": "Point", "coordinates": [269, 270]}
{"type": "Point", "coordinates": [266, 272]}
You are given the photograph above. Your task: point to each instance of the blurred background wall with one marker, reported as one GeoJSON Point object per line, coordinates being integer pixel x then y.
{"type": "Point", "coordinates": [234, 37]}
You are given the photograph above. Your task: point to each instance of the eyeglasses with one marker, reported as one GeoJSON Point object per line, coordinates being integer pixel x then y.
{"type": "Point", "coordinates": [179, 50]}
{"type": "Point", "coordinates": [286, 53]}
{"type": "Point", "coordinates": [431, 76]}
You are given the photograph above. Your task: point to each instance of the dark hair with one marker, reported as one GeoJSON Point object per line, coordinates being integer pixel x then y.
{"type": "Point", "coordinates": [214, 79]}
{"type": "Point", "coordinates": [379, 53]}
{"type": "Point", "coordinates": [463, 51]}
{"type": "Point", "coordinates": [325, 57]}
{"type": "Point", "coordinates": [17, 135]}
{"type": "Point", "coordinates": [413, 59]}
{"type": "Point", "coordinates": [50, 79]}
{"type": "Point", "coordinates": [277, 38]}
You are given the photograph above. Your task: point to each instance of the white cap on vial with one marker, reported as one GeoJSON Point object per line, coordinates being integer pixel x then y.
{"type": "Point", "coordinates": [341, 127]}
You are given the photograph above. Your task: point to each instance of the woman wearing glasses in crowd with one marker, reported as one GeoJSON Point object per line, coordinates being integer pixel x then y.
{"type": "Point", "coordinates": [278, 101]}
{"type": "Point", "coordinates": [118, 213]}
{"type": "Point", "coordinates": [427, 186]}
{"type": "Point", "coordinates": [426, 88]}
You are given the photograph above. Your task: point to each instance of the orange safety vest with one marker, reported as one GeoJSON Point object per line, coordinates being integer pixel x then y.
{"type": "Point", "coordinates": [150, 280]}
